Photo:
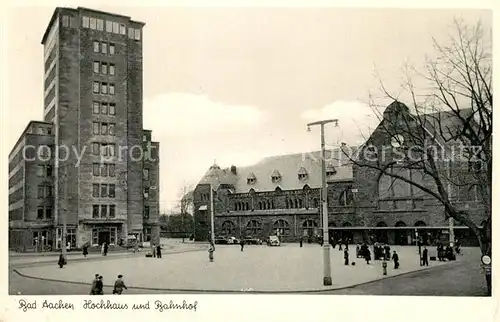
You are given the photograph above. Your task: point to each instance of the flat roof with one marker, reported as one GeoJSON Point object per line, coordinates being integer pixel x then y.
{"type": "Point", "coordinates": [24, 133]}
{"type": "Point", "coordinates": [57, 9]}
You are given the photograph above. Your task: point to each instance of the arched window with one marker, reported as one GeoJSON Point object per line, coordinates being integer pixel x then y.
{"type": "Point", "coordinates": [381, 224]}
{"type": "Point", "coordinates": [309, 223]}
{"type": "Point", "coordinates": [400, 224]}
{"type": "Point", "coordinates": [228, 228]}
{"type": "Point", "coordinates": [282, 226]}
{"type": "Point", "coordinates": [346, 197]}
{"type": "Point", "coordinates": [278, 189]}
{"type": "Point", "coordinates": [268, 204]}
{"type": "Point", "coordinates": [235, 206]}
{"type": "Point", "coordinates": [420, 223]}
{"type": "Point", "coordinates": [253, 228]}
{"type": "Point", "coordinates": [346, 224]}
{"type": "Point", "coordinates": [272, 204]}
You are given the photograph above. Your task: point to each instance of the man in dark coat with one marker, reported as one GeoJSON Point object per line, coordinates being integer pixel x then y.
{"type": "Point", "coordinates": [99, 285]}
{"type": "Point", "coordinates": [300, 241]}
{"type": "Point", "coordinates": [425, 257]}
{"type": "Point", "coordinates": [61, 261]}
{"type": "Point", "coordinates": [395, 258]}
{"type": "Point", "coordinates": [158, 251]}
{"type": "Point", "coordinates": [346, 257]}
{"type": "Point", "coordinates": [85, 250]}
{"type": "Point", "coordinates": [105, 248]}
{"type": "Point", "coordinates": [242, 243]}
{"type": "Point", "coordinates": [93, 289]}
{"type": "Point", "coordinates": [120, 285]}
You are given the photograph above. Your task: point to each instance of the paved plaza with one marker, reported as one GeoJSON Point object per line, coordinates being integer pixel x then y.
{"type": "Point", "coordinates": [288, 268]}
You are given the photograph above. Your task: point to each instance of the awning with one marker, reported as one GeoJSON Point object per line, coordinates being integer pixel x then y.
{"type": "Point", "coordinates": [204, 207]}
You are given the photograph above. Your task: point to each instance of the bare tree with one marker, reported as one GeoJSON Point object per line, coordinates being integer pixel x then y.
{"type": "Point", "coordinates": [444, 136]}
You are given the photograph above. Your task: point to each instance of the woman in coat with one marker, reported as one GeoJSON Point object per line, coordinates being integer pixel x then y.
{"type": "Point", "coordinates": [158, 251]}
{"type": "Point", "coordinates": [85, 250]}
{"type": "Point", "coordinates": [61, 261]}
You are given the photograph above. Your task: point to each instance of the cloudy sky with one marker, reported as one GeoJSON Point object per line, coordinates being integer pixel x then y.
{"type": "Point", "coordinates": [238, 84]}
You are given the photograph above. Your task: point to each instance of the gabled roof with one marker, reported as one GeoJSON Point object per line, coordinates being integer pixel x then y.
{"type": "Point", "coordinates": [285, 165]}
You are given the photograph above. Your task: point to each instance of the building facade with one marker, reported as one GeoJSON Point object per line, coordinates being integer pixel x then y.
{"type": "Point", "coordinates": [281, 195]}
{"type": "Point", "coordinates": [104, 167]}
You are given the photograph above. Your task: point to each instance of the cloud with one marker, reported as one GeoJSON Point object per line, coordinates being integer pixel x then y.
{"type": "Point", "coordinates": [177, 114]}
{"type": "Point", "coordinates": [357, 120]}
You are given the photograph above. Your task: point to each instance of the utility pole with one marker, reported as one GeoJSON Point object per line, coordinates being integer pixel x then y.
{"type": "Point", "coordinates": [212, 224]}
{"type": "Point", "coordinates": [327, 274]}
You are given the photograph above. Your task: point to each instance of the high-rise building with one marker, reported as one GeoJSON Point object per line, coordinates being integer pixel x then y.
{"type": "Point", "coordinates": [102, 169]}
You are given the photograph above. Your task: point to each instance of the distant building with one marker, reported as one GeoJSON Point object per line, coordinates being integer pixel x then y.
{"type": "Point", "coordinates": [93, 107]}
{"type": "Point", "coordinates": [282, 195]}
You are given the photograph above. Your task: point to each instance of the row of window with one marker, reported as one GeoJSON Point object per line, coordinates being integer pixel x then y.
{"type": "Point", "coordinates": [104, 149]}
{"type": "Point", "coordinates": [104, 68]}
{"type": "Point", "coordinates": [100, 128]}
{"type": "Point", "coordinates": [45, 171]}
{"type": "Point", "coordinates": [103, 88]}
{"type": "Point", "coordinates": [254, 227]}
{"type": "Point", "coordinates": [103, 190]}
{"type": "Point", "coordinates": [103, 169]}
{"type": "Point", "coordinates": [104, 48]}
{"type": "Point", "coordinates": [103, 211]}
{"type": "Point", "coordinates": [110, 26]}
{"type": "Point", "coordinates": [269, 204]}
{"type": "Point", "coordinates": [45, 191]}
{"type": "Point", "coordinates": [103, 108]}
{"type": "Point", "coordinates": [44, 213]}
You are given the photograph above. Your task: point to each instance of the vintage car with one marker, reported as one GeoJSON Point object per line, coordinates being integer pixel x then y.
{"type": "Point", "coordinates": [252, 241]}
{"type": "Point", "coordinates": [273, 241]}
{"type": "Point", "coordinates": [221, 240]}
{"type": "Point", "coordinates": [233, 240]}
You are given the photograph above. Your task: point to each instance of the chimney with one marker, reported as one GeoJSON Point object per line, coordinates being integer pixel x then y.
{"type": "Point", "coordinates": [233, 170]}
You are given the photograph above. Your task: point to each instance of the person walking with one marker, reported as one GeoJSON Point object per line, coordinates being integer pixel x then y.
{"type": "Point", "coordinates": [105, 249]}
{"type": "Point", "coordinates": [158, 251]}
{"type": "Point", "coordinates": [85, 249]}
{"type": "Point", "coordinates": [368, 256]}
{"type": "Point", "coordinates": [300, 241]}
{"type": "Point", "coordinates": [99, 285]}
{"type": "Point", "coordinates": [425, 257]}
{"type": "Point", "coordinates": [93, 289]}
{"type": "Point", "coordinates": [346, 257]}
{"type": "Point", "coordinates": [242, 243]}
{"type": "Point", "coordinates": [340, 244]}
{"type": "Point", "coordinates": [395, 258]}
{"type": "Point", "coordinates": [120, 285]}
{"type": "Point", "coordinates": [61, 262]}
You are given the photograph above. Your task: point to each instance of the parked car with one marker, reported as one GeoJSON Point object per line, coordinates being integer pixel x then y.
{"type": "Point", "coordinates": [253, 241]}
{"type": "Point", "coordinates": [233, 240]}
{"type": "Point", "coordinates": [273, 241]}
{"type": "Point", "coordinates": [221, 240]}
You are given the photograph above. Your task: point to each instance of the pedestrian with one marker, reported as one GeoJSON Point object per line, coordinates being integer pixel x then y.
{"type": "Point", "coordinates": [105, 248]}
{"type": "Point", "coordinates": [99, 285]}
{"type": "Point", "coordinates": [425, 257]}
{"type": "Point", "coordinates": [93, 289]}
{"type": "Point", "coordinates": [368, 256]}
{"type": "Point", "coordinates": [61, 262]}
{"type": "Point", "coordinates": [85, 249]}
{"type": "Point", "coordinates": [340, 244]}
{"type": "Point", "coordinates": [346, 257]}
{"type": "Point", "coordinates": [395, 258]}
{"type": "Point", "coordinates": [358, 248]}
{"type": "Point", "coordinates": [120, 285]}
{"type": "Point", "coordinates": [158, 251]}
{"type": "Point", "coordinates": [242, 243]}
{"type": "Point", "coordinates": [300, 241]}
{"type": "Point", "coordinates": [387, 252]}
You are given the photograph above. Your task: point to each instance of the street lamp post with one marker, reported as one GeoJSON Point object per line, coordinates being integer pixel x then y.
{"type": "Point", "coordinates": [327, 274]}
{"type": "Point", "coordinates": [212, 219]}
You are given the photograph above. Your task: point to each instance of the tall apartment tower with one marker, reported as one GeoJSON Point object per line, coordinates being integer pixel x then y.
{"type": "Point", "coordinates": [103, 166]}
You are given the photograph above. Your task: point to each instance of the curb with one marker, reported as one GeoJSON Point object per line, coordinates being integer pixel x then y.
{"type": "Point", "coordinates": [242, 291]}
{"type": "Point", "coordinates": [101, 258]}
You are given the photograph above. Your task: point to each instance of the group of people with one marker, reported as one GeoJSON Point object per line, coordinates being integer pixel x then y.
{"type": "Point", "coordinates": [380, 252]}
{"type": "Point", "coordinates": [156, 250]}
{"type": "Point", "coordinates": [444, 253]}
{"type": "Point", "coordinates": [98, 285]}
